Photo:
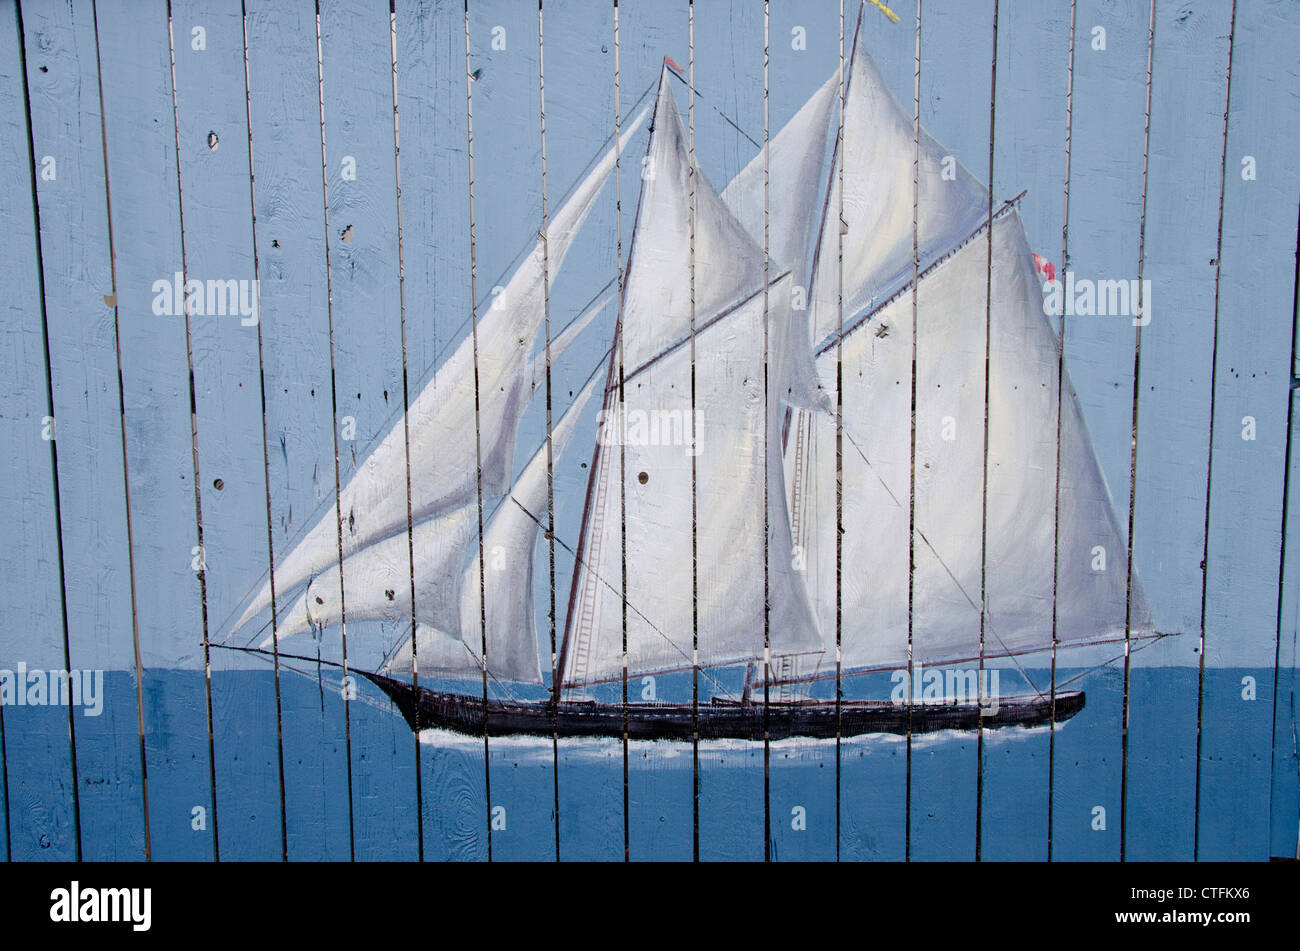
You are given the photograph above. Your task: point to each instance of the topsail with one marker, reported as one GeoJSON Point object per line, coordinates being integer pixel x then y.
{"type": "Point", "coordinates": [442, 461]}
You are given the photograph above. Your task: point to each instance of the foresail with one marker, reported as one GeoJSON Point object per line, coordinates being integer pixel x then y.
{"type": "Point", "coordinates": [443, 464]}
{"type": "Point", "coordinates": [509, 542]}
{"type": "Point", "coordinates": [1021, 536]}
{"type": "Point", "coordinates": [791, 211]}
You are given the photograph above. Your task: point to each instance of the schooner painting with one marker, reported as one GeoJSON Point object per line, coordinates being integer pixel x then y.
{"type": "Point", "coordinates": [733, 310]}
{"type": "Point", "coordinates": [653, 429]}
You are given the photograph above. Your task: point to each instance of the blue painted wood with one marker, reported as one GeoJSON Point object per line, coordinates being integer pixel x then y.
{"type": "Point", "coordinates": [802, 773]}
{"type": "Point", "coordinates": [38, 804]}
{"type": "Point", "coordinates": [140, 142]}
{"type": "Point", "coordinates": [1033, 59]}
{"type": "Point", "coordinates": [288, 206]}
{"type": "Point", "coordinates": [1188, 95]}
{"type": "Point", "coordinates": [435, 237]}
{"type": "Point", "coordinates": [1284, 839]}
{"type": "Point", "coordinates": [507, 217]}
{"type": "Point", "coordinates": [367, 353]}
{"type": "Point", "coordinates": [874, 770]}
{"type": "Point", "coordinates": [1248, 775]}
{"type": "Point", "coordinates": [1107, 142]}
{"type": "Point", "coordinates": [729, 72]}
{"type": "Point", "coordinates": [579, 125]}
{"type": "Point", "coordinates": [661, 813]}
{"type": "Point", "coordinates": [1256, 307]}
{"type": "Point", "coordinates": [956, 82]}
{"type": "Point", "coordinates": [212, 130]}
{"type": "Point", "coordinates": [83, 354]}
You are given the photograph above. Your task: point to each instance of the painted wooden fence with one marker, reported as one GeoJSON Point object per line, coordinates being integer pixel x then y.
{"type": "Point", "coordinates": [367, 175]}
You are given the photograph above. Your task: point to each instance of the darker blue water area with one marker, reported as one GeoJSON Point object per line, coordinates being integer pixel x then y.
{"type": "Point", "coordinates": [38, 773]}
{"type": "Point", "coordinates": [1286, 770]}
{"type": "Point", "coordinates": [1161, 819]}
{"type": "Point", "coordinates": [180, 772]}
{"type": "Point", "coordinates": [1248, 784]}
{"type": "Point", "coordinates": [1236, 765]}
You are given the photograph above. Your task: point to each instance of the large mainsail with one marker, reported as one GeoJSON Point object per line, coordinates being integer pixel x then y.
{"type": "Point", "coordinates": [442, 461]}
{"type": "Point", "coordinates": [651, 537]}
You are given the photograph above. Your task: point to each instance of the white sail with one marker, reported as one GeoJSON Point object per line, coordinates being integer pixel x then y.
{"type": "Point", "coordinates": [727, 433]}
{"type": "Point", "coordinates": [1021, 535]}
{"type": "Point", "coordinates": [509, 542]}
{"type": "Point", "coordinates": [726, 265]}
{"type": "Point", "coordinates": [797, 170]}
{"type": "Point", "coordinates": [877, 158]}
{"type": "Point", "coordinates": [377, 577]}
{"type": "Point", "coordinates": [442, 459]}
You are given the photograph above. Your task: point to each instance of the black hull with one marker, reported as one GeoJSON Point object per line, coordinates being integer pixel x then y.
{"type": "Point", "coordinates": [467, 714]}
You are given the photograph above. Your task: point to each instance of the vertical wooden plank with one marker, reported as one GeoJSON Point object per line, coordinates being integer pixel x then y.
{"type": "Point", "coordinates": [579, 66]}
{"type": "Point", "coordinates": [39, 808]}
{"type": "Point", "coordinates": [1188, 93]}
{"type": "Point", "coordinates": [873, 779]}
{"type": "Point", "coordinates": [66, 123]}
{"type": "Point", "coordinates": [288, 209]}
{"type": "Point", "coordinates": [212, 134]}
{"type": "Point", "coordinates": [661, 817]}
{"type": "Point", "coordinates": [1251, 389]}
{"type": "Point", "coordinates": [1106, 177]}
{"type": "Point", "coordinates": [739, 816]}
{"type": "Point", "coordinates": [804, 52]}
{"type": "Point", "coordinates": [1029, 155]}
{"type": "Point", "coordinates": [135, 57]}
{"type": "Point", "coordinates": [1284, 839]}
{"type": "Point", "coordinates": [435, 239]}
{"type": "Point", "coordinates": [361, 188]}
{"type": "Point", "coordinates": [507, 215]}
{"type": "Point", "coordinates": [956, 48]}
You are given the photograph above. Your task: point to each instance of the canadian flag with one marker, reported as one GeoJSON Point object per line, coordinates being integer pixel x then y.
{"type": "Point", "coordinates": [1045, 268]}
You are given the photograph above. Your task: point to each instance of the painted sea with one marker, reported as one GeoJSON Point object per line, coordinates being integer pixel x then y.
{"type": "Point", "coordinates": [385, 808]}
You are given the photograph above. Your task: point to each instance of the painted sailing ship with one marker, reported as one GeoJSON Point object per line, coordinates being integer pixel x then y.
{"type": "Point", "coordinates": [752, 504]}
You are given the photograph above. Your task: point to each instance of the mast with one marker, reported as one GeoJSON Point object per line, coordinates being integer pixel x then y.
{"type": "Point", "coordinates": [558, 687]}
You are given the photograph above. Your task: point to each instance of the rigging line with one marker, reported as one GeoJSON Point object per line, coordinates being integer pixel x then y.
{"type": "Point", "coordinates": [1153, 639]}
{"type": "Point", "coordinates": [690, 85]}
{"type": "Point", "coordinates": [928, 544]}
{"type": "Point", "coordinates": [946, 661]}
